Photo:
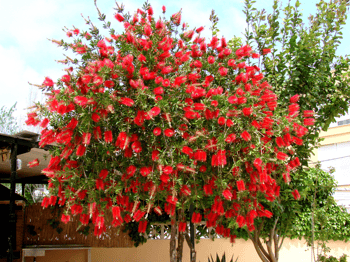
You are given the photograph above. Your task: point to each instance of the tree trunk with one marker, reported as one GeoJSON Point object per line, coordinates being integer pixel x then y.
{"type": "Point", "coordinates": [173, 239]}
{"type": "Point", "coordinates": [273, 243]}
{"type": "Point", "coordinates": [180, 246]}
{"type": "Point", "coordinates": [192, 250]}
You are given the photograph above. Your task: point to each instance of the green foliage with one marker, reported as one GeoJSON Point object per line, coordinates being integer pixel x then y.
{"type": "Point", "coordinates": [303, 59]}
{"type": "Point", "coordinates": [8, 123]}
{"type": "Point", "coordinates": [333, 259]}
{"type": "Point", "coordinates": [223, 259]}
{"type": "Point", "coordinates": [330, 220]}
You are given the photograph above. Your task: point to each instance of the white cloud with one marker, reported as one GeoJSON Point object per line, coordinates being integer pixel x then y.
{"type": "Point", "coordinates": [14, 81]}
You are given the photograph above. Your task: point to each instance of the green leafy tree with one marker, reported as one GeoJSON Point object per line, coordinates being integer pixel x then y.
{"type": "Point", "coordinates": [303, 61]}
{"type": "Point", "coordinates": [8, 123]}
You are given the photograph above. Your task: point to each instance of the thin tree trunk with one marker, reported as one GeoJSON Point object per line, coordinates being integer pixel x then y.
{"type": "Point", "coordinates": [173, 239]}
{"type": "Point", "coordinates": [272, 244]}
{"type": "Point", "coordinates": [188, 240]}
{"type": "Point", "coordinates": [180, 239]}
{"type": "Point", "coordinates": [180, 246]}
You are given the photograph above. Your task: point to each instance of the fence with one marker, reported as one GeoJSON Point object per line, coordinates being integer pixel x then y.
{"type": "Point", "coordinates": [38, 231]}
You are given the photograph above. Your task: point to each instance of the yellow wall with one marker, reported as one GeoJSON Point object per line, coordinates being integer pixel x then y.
{"type": "Point", "coordinates": [158, 251]}
{"type": "Point", "coordinates": [334, 135]}
{"type": "Point", "coordinates": [338, 134]}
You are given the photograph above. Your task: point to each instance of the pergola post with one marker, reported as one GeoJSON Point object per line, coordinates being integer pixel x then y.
{"type": "Point", "coordinates": [12, 215]}
{"type": "Point", "coordinates": [192, 255]}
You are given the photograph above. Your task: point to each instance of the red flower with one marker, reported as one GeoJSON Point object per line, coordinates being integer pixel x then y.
{"type": "Point", "coordinates": [65, 78]}
{"type": "Point", "coordinates": [95, 117]}
{"type": "Point", "coordinates": [196, 218]}
{"type": "Point", "coordinates": [233, 100]}
{"type": "Point", "coordinates": [99, 184]}
{"type": "Point", "coordinates": [103, 174]}
{"type": "Point", "coordinates": [109, 83]}
{"type": "Point", "coordinates": [131, 170]}
{"type": "Point", "coordinates": [223, 71]}
{"type": "Point", "coordinates": [309, 121]}
{"type": "Point", "coordinates": [172, 200]}
{"type": "Point", "coordinates": [155, 155]}
{"type": "Point", "coordinates": [48, 82]}
{"type": "Point", "coordinates": [240, 185]}
{"type": "Point", "coordinates": [108, 136]}
{"type": "Point", "coordinates": [65, 218]}
{"type": "Point", "coordinates": [227, 194]}
{"type": "Point", "coordinates": [185, 190]}
{"type": "Point", "coordinates": [86, 138]}
{"type": "Point", "coordinates": [208, 190]}
{"type": "Point", "coordinates": [155, 111]}
{"type": "Point", "coordinates": [211, 60]}
{"type": "Point", "coordinates": [281, 156]}
{"type": "Point", "coordinates": [240, 221]}
{"type": "Point", "coordinates": [257, 163]}
{"type": "Point", "coordinates": [294, 99]}
{"type": "Point", "coordinates": [145, 171]}
{"type": "Point", "coordinates": [176, 18]}
{"type": "Point", "coordinates": [187, 150]}
{"type": "Point", "coordinates": [142, 226]}
{"type": "Point", "coordinates": [157, 131]}
{"type": "Point", "coordinates": [266, 51]}
{"type": "Point", "coordinates": [309, 113]}
{"type": "Point", "coordinates": [116, 212]}
{"type": "Point", "coordinates": [199, 106]}
{"type": "Point", "coordinates": [169, 132]}
{"type": "Point", "coordinates": [97, 133]}
{"type": "Point", "coordinates": [33, 163]}
{"type": "Point", "coordinates": [119, 17]}
{"type": "Point", "coordinates": [203, 169]}
{"type": "Point", "coordinates": [80, 100]}
{"type": "Point", "coordinates": [245, 136]}
{"type": "Point", "coordinates": [126, 101]}
{"type": "Point", "coordinates": [200, 155]}
{"type": "Point", "coordinates": [84, 219]}
{"type": "Point", "coordinates": [296, 194]}
{"type": "Point", "coordinates": [247, 111]}
{"type": "Point", "coordinates": [230, 138]}
{"type": "Point", "coordinates": [219, 159]}
{"type": "Point", "coordinates": [221, 121]}
{"type": "Point", "coordinates": [81, 150]}
{"type": "Point", "coordinates": [182, 226]}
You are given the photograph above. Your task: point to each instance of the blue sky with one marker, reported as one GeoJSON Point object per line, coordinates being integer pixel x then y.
{"type": "Point", "coordinates": [27, 55]}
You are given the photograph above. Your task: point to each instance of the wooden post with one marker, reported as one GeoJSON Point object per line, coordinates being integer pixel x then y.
{"type": "Point", "coordinates": [12, 215]}
{"type": "Point", "coordinates": [192, 255]}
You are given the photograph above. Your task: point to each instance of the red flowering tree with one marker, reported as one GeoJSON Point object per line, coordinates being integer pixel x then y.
{"type": "Point", "coordinates": [153, 116]}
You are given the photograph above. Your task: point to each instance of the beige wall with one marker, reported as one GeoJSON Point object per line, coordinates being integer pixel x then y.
{"type": "Point", "coordinates": [334, 135]}
{"type": "Point", "coordinates": [158, 251]}
{"type": "Point", "coordinates": [62, 256]}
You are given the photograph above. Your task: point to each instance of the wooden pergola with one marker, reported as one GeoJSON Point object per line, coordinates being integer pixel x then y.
{"type": "Point", "coordinates": [16, 151]}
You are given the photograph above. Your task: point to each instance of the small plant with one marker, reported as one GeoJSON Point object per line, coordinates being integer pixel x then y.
{"type": "Point", "coordinates": [333, 259]}
{"type": "Point", "coordinates": [223, 259]}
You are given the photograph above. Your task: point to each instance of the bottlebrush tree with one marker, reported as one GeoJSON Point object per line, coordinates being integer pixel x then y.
{"type": "Point", "coordinates": [158, 115]}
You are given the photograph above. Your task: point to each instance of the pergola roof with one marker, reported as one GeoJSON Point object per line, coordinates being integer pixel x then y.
{"type": "Point", "coordinates": [28, 150]}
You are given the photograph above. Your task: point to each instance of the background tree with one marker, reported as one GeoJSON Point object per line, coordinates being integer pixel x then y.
{"type": "Point", "coordinates": [8, 122]}
{"type": "Point", "coordinates": [303, 61]}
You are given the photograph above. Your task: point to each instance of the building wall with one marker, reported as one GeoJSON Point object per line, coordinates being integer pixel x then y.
{"type": "Point", "coordinates": [334, 152]}
{"type": "Point", "coordinates": [158, 251]}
